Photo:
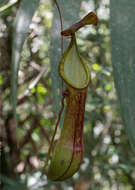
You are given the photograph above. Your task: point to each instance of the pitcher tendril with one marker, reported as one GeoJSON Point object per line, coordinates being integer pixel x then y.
{"type": "Point", "coordinates": [62, 100]}
{"type": "Point", "coordinates": [56, 127]}
{"type": "Point", "coordinates": [61, 24]}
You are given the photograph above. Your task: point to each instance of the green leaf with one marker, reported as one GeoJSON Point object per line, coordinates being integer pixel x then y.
{"type": "Point", "coordinates": [41, 89]}
{"type": "Point", "coordinates": [10, 184]}
{"type": "Point", "coordinates": [123, 59]}
{"type": "Point", "coordinates": [70, 14]}
{"type": "Point", "coordinates": [3, 2]}
{"type": "Point", "coordinates": [21, 27]}
{"type": "Point", "coordinates": [1, 80]}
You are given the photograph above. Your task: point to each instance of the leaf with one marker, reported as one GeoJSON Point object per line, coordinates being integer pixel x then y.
{"type": "Point", "coordinates": [21, 27]}
{"type": "Point", "coordinates": [70, 12]}
{"type": "Point", "coordinates": [123, 60]}
{"type": "Point", "coordinates": [10, 184]}
{"type": "Point", "coordinates": [3, 2]}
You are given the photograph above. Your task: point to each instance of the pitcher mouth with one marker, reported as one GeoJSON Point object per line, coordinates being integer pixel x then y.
{"type": "Point", "coordinates": [72, 68]}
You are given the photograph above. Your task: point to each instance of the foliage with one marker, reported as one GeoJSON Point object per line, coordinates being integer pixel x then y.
{"type": "Point", "coordinates": [123, 60]}
{"type": "Point", "coordinates": [108, 161]}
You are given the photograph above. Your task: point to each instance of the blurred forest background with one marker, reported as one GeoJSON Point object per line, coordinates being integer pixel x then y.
{"type": "Point", "coordinates": [109, 162]}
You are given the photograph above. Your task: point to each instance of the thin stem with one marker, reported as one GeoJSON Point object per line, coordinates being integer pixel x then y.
{"type": "Point", "coordinates": [61, 25]}
{"type": "Point", "coordinates": [56, 127]}
{"type": "Point", "coordinates": [62, 100]}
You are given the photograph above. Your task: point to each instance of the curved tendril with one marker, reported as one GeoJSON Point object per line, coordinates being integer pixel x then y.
{"type": "Point", "coordinates": [56, 127]}
{"type": "Point", "coordinates": [62, 100]}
